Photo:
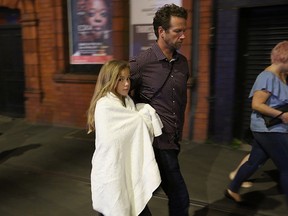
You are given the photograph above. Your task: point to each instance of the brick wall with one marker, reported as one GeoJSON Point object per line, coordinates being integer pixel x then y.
{"type": "Point", "coordinates": [203, 79]}
{"type": "Point", "coordinates": [70, 96]}
{"type": "Point", "coordinates": [55, 96]}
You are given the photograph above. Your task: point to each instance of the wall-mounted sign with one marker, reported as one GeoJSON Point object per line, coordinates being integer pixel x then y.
{"type": "Point", "coordinates": [90, 27]}
{"type": "Point", "coordinates": [141, 18]}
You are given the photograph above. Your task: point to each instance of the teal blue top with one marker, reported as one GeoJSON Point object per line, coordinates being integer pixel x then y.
{"type": "Point", "coordinates": [268, 81]}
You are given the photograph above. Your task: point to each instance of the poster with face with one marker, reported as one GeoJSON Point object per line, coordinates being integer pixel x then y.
{"type": "Point", "coordinates": [90, 31]}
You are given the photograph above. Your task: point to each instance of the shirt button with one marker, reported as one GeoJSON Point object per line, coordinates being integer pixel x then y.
{"type": "Point", "coordinates": [172, 76]}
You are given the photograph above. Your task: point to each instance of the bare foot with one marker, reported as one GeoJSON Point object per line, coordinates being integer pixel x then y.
{"type": "Point", "coordinates": [245, 184]}
{"type": "Point", "coordinates": [234, 196]}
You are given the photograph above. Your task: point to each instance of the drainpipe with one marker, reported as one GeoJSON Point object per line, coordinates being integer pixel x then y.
{"type": "Point", "coordinates": [212, 98]}
{"type": "Point", "coordinates": [194, 63]}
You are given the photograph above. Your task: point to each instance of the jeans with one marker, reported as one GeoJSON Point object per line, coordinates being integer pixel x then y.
{"type": "Point", "coordinates": [257, 158]}
{"type": "Point", "coordinates": [276, 146]}
{"type": "Point", "coordinates": [172, 181]}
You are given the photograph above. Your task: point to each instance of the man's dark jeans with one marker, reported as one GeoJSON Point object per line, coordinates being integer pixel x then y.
{"type": "Point", "coordinates": [172, 181]}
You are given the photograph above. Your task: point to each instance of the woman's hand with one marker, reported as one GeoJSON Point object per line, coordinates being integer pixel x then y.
{"type": "Point", "coordinates": [284, 118]}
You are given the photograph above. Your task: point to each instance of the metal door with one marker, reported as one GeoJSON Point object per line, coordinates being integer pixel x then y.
{"type": "Point", "coordinates": [260, 30]}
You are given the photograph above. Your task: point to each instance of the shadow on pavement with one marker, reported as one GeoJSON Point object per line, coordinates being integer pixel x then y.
{"type": "Point", "coordinates": [5, 155]}
{"type": "Point", "coordinates": [228, 207]}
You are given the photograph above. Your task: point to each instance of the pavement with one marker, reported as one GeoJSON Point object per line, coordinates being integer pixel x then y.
{"type": "Point", "coordinates": [44, 171]}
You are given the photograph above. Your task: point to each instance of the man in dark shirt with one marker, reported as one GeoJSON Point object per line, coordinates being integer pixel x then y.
{"type": "Point", "coordinates": [159, 77]}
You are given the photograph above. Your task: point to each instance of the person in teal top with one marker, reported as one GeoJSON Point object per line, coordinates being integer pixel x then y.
{"type": "Point", "coordinates": [269, 91]}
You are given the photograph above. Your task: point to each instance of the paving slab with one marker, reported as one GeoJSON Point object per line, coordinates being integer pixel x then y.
{"type": "Point", "coordinates": [45, 171]}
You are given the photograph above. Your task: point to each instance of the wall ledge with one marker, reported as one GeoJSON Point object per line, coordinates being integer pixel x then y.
{"type": "Point", "coordinates": [75, 78]}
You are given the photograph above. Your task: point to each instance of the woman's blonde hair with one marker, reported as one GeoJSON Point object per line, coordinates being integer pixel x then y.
{"type": "Point", "coordinates": [106, 82]}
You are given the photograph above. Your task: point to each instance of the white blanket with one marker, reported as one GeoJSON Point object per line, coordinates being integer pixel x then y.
{"type": "Point", "coordinates": [124, 171]}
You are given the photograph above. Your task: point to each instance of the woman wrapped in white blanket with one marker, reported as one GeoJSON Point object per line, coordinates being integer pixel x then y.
{"type": "Point", "coordinates": [124, 170]}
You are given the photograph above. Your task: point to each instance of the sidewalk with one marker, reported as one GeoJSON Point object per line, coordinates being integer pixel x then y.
{"type": "Point", "coordinates": [44, 171]}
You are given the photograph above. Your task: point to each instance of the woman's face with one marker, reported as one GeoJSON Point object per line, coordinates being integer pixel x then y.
{"type": "Point", "coordinates": [284, 68]}
{"type": "Point", "coordinates": [123, 83]}
{"type": "Point", "coordinates": [97, 16]}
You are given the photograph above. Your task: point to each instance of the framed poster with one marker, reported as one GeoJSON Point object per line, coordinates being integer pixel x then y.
{"type": "Point", "coordinates": [141, 28]}
{"type": "Point", "coordinates": [90, 27]}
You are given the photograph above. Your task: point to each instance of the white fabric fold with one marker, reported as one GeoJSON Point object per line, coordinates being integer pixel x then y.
{"type": "Point", "coordinates": [150, 115]}
{"type": "Point", "coordinates": [124, 170]}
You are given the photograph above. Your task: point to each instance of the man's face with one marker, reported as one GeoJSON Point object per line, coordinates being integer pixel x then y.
{"type": "Point", "coordinates": [174, 36]}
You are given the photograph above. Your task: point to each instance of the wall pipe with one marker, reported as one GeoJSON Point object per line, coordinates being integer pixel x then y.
{"type": "Point", "coordinates": [194, 63]}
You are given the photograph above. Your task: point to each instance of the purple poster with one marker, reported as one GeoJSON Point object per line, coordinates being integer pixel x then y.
{"type": "Point", "coordinates": [90, 31]}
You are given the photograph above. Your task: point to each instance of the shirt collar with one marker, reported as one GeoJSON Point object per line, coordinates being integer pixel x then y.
{"type": "Point", "coordinates": [160, 55]}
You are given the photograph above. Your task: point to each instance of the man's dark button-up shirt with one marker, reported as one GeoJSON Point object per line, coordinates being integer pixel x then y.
{"type": "Point", "coordinates": [149, 72]}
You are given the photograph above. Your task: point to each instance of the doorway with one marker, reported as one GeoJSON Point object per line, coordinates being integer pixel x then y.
{"type": "Point", "coordinates": [260, 30]}
{"type": "Point", "coordinates": [12, 83]}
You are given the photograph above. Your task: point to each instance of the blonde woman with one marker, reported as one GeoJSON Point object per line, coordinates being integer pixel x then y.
{"type": "Point", "coordinates": [124, 171]}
